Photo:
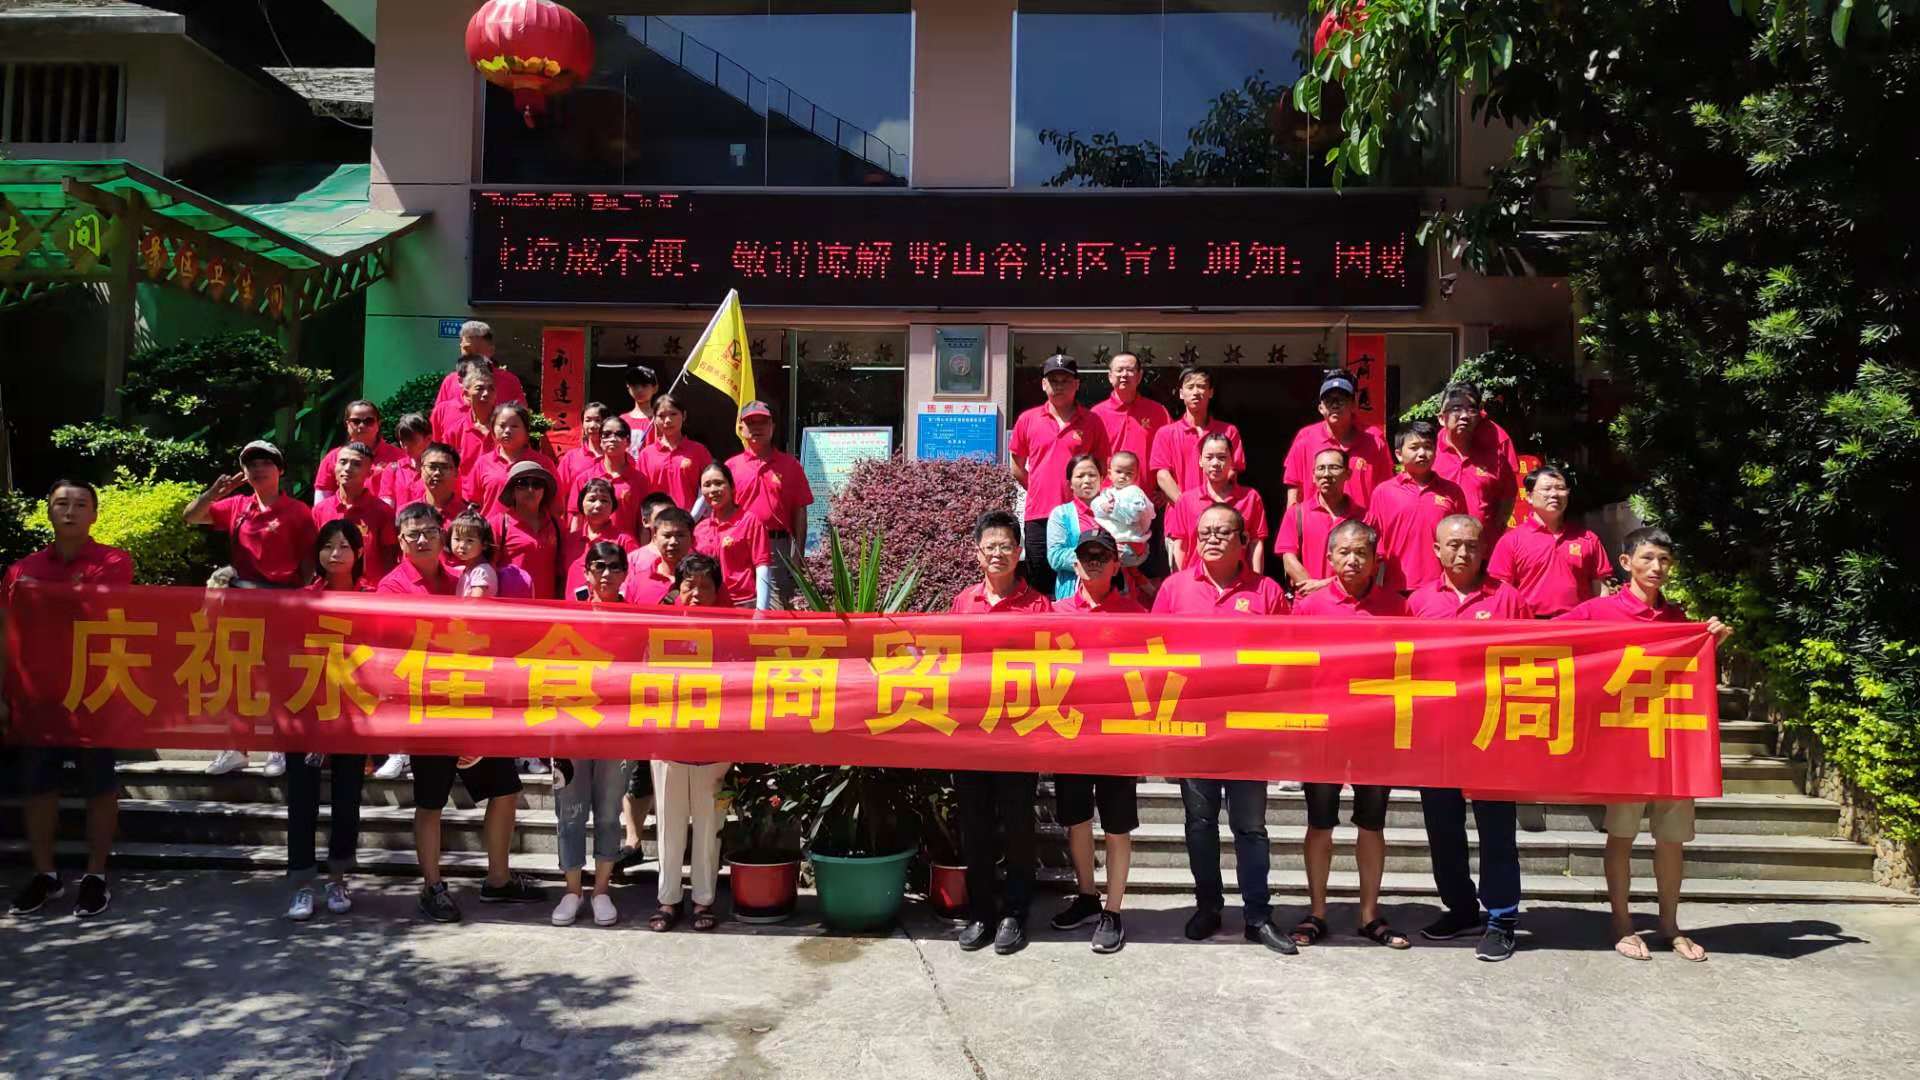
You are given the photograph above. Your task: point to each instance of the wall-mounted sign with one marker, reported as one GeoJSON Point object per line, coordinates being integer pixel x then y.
{"type": "Point", "coordinates": [960, 361]}
{"type": "Point", "coordinates": [956, 429]}
{"type": "Point", "coordinates": [1214, 249]}
{"type": "Point", "coordinates": [1367, 360]}
{"type": "Point", "coordinates": [828, 454]}
{"type": "Point", "coordinates": [563, 384]}
{"type": "Point", "coordinates": [450, 328]}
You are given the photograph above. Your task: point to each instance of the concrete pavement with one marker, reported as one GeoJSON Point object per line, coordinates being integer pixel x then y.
{"type": "Point", "coordinates": [198, 974]}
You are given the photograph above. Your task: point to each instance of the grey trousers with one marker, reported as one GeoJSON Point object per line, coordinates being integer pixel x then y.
{"type": "Point", "coordinates": [597, 788]}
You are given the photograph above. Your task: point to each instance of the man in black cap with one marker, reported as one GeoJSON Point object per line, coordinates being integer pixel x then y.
{"type": "Point", "coordinates": [1044, 439]}
{"type": "Point", "coordinates": [1368, 462]}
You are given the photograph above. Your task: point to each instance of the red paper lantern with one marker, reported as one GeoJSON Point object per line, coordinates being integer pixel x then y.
{"type": "Point", "coordinates": [1332, 21]}
{"type": "Point", "coordinates": [531, 47]}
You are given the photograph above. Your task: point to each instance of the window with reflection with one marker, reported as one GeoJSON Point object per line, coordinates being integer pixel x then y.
{"type": "Point", "coordinates": [849, 378]}
{"type": "Point", "coordinates": [1180, 93]}
{"type": "Point", "coordinates": [754, 93]}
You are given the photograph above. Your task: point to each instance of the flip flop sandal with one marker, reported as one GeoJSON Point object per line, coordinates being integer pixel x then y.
{"type": "Point", "coordinates": [1308, 931]}
{"type": "Point", "coordinates": [1632, 948]}
{"type": "Point", "coordinates": [1381, 933]}
{"type": "Point", "coordinates": [703, 919]}
{"type": "Point", "coordinates": [1668, 942]}
{"type": "Point", "coordinates": [663, 920]}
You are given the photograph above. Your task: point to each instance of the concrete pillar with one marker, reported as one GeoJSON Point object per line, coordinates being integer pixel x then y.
{"type": "Point", "coordinates": [963, 93]}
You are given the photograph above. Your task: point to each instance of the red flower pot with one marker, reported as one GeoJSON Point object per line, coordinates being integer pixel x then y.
{"type": "Point", "coordinates": [948, 891]}
{"type": "Point", "coordinates": [763, 892]}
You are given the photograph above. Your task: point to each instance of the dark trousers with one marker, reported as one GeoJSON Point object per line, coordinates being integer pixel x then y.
{"type": "Point", "coordinates": [996, 819]}
{"type": "Point", "coordinates": [1445, 810]}
{"type": "Point", "coordinates": [1039, 570]}
{"type": "Point", "coordinates": [1246, 802]}
{"type": "Point", "coordinates": [303, 811]}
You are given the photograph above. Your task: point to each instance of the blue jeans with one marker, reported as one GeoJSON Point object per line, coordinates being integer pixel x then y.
{"type": "Point", "coordinates": [1247, 816]}
{"type": "Point", "coordinates": [1445, 810]}
{"type": "Point", "coordinates": [597, 787]}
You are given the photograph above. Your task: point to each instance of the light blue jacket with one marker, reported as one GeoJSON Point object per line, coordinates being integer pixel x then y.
{"type": "Point", "coordinates": [1063, 535]}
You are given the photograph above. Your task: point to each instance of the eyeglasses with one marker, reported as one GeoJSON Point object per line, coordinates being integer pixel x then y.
{"type": "Point", "coordinates": [361, 421]}
{"type": "Point", "coordinates": [603, 569]}
{"type": "Point", "coordinates": [1218, 534]}
{"type": "Point", "coordinates": [415, 536]}
{"type": "Point", "coordinates": [1328, 470]}
{"type": "Point", "coordinates": [997, 549]}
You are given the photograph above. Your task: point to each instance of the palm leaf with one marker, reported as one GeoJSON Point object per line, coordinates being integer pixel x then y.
{"type": "Point", "coordinates": [842, 588]}
{"type": "Point", "coordinates": [869, 584]}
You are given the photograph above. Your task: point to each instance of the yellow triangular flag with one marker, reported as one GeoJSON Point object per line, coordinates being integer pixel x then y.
{"type": "Point", "coordinates": [720, 358]}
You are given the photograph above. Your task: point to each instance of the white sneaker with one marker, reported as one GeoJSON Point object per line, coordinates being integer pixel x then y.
{"type": "Point", "coordinates": [302, 907]}
{"type": "Point", "coordinates": [276, 765]}
{"type": "Point", "coordinates": [391, 769]}
{"type": "Point", "coordinates": [534, 766]}
{"type": "Point", "coordinates": [604, 912]}
{"type": "Point", "coordinates": [338, 901]}
{"type": "Point", "coordinates": [227, 761]}
{"type": "Point", "coordinates": [567, 910]}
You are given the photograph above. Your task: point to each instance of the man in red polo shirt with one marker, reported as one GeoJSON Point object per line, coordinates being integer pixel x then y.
{"type": "Point", "coordinates": [1174, 460]}
{"type": "Point", "coordinates": [351, 501]}
{"type": "Point", "coordinates": [74, 558]}
{"type": "Point", "coordinates": [650, 569]}
{"type": "Point", "coordinates": [1302, 540]}
{"type": "Point", "coordinates": [1474, 453]}
{"type": "Point", "coordinates": [1043, 440]}
{"type": "Point", "coordinates": [438, 484]}
{"type": "Point", "coordinates": [771, 485]}
{"type": "Point", "coordinates": [271, 533]}
{"type": "Point", "coordinates": [1219, 582]}
{"type": "Point", "coordinates": [1647, 557]}
{"type": "Point", "coordinates": [466, 424]}
{"type": "Point", "coordinates": [1369, 464]}
{"type": "Point", "coordinates": [1556, 565]}
{"type": "Point", "coordinates": [994, 804]}
{"type": "Point", "coordinates": [363, 426]}
{"type": "Point", "coordinates": [1407, 509]}
{"type": "Point", "coordinates": [1353, 556]}
{"type": "Point", "coordinates": [1131, 421]}
{"type": "Point", "coordinates": [476, 343]}
{"type": "Point", "coordinates": [1463, 591]}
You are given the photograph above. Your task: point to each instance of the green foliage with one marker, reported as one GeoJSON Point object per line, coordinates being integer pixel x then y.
{"type": "Point", "coordinates": [770, 812]}
{"type": "Point", "coordinates": [139, 515]}
{"type": "Point", "coordinates": [856, 589]}
{"type": "Point", "coordinates": [1751, 279]}
{"type": "Point", "coordinates": [18, 536]}
{"type": "Point", "coordinates": [104, 446]}
{"type": "Point", "coordinates": [416, 395]}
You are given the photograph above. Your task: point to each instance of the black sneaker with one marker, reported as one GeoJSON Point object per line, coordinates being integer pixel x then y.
{"type": "Point", "coordinates": [1203, 925]}
{"type": "Point", "coordinates": [93, 896]}
{"type": "Point", "coordinates": [1079, 911]}
{"type": "Point", "coordinates": [1452, 924]}
{"type": "Point", "coordinates": [1273, 938]}
{"type": "Point", "coordinates": [1011, 937]}
{"type": "Point", "coordinates": [518, 889]}
{"type": "Point", "coordinates": [629, 856]}
{"type": "Point", "coordinates": [1497, 943]}
{"type": "Point", "coordinates": [36, 893]}
{"type": "Point", "coordinates": [436, 903]}
{"type": "Point", "coordinates": [976, 935]}
{"type": "Point", "coordinates": [1109, 935]}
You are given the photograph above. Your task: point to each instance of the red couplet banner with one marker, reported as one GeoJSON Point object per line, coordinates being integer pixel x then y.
{"type": "Point", "coordinates": [1575, 709]}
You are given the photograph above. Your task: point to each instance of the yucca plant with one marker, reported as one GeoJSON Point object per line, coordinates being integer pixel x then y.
{"type": "Point", "coordinates": [857, 591]}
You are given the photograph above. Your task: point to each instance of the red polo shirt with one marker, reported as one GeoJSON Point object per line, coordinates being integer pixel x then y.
{"type": "Point", "coordinates": [535, 551]}
{"type": "Point", "coordinates": [488, 478]}
{"type": "Point", "coordinates": [773, 489]}
{"type": "Point", "coordinates": [400, 485]}
{"type": "Point", "coordinates": [1336, 603]}
{"type": "Point", "coordinates": [1405, 512]}
{"type": "Point", "coordinates": [629, 488]}
{"type": "Point", "coordinates": [379, 540]}
{"type": "Point", "coordinates": [96, 564]}
{"type": "Point", "coordinates": [740, 544]}
{"type": "Point", "coordinates": [1488, 473]}
{"type": "Point", "coordinates": [1117, 603]}
{"type": "Point", "coordinates": [267, 545]}
{"type": "Point", "coordinates": [1176, 448]}
{"type": "Point", "coordinates": [1493, 599]}
{"type": "Point", "coordinates": [676, 471]}
{"type": "Point", "coordinates": [973, 600]}
{"type": "Point", "coordinates": [1623, 606]}
{"type": "Point", "coordinates": [454, 425]}
{"type": "Point", "coordinates": [572, 464]}
{"type": "Point", "coordinates": [386, 458]}
{"type": "Point", "coordinates": [1131, 428]}
{"type": "Point", "coordinates": [1304, 529]}
{"type": "Point", "coordinates": [649, 581]}
{"type": "Point", "coordinates": [1192, 592]}
{"type": "Point", "coordinates": [406, 580]}
{"type": "Point", "coordinates": [1045, 446]}
{"type": "Point", "coordinates": [1369, 463]}
{"type": "Point", "coordinates": [1183, 517]}
{"type": "Point", "coordinates": [506, 387]}
{"type": "Point", "coordinates": [573, 554]}
{"type": "Point", "coordinates": [1555, 571]}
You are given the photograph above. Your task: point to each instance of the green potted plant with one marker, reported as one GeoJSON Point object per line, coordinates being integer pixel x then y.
{"type": "Point", "coordinates": [763, 840]}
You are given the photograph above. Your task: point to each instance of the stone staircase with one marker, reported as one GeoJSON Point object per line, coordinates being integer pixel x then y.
{"type": "Point", "coordinates": [1763, 840]}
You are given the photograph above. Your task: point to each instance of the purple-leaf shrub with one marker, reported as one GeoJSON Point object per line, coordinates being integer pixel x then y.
{"type": "Point", "coordinates": [924, 512]}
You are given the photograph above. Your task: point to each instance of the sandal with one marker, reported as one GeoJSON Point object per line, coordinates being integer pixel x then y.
{"type": "Point", "coordinates": [703, 918]}
{"type": "Point", "coordinates": [1685, 948]}
{"type": "Point", "coordinates": [1632, 948]}
{"type": "Point", "coordinates": [1380, 933]}
{"type": "Point", "coordinates": [1308, 930]}
{"type": "Point", "coordinates": [663, 919]}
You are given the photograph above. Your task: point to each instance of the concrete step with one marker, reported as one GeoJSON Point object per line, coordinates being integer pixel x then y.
{"type": "Point", "coordinates": [390, 828]}
{"type": "Point", "coordinates": [1747, 737]}
{"type": "Point", "coordinates": [177, 779]}
{"type": "Point", "coordinates": [1776, 858]}
{"type": "Point", "coordinates": [1758, 774]}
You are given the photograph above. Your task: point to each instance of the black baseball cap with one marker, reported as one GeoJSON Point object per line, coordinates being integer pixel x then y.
{"type": "Point", "coordinates": [1097, 538]}
{"type": "Point", "coordinates": [1336, 380]}
{"type": "Point", "coordinates": [1060, 362]}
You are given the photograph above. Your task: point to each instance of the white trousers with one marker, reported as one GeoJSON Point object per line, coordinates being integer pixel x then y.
{"type": "Point", "coordinates": [684, 793]}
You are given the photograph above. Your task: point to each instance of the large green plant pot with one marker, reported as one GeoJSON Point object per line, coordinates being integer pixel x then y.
{"type": "Point", "coordinates": [860, 893]}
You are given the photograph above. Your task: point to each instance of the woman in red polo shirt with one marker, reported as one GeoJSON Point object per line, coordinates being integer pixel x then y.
{"type": "Point", "coordinates": [584, 460]}
{"type": "Point", "coordinates": [1217, 485]}
{"type": "Point", "coordinates": [669, 461]}
{"type": "Point", "coordinates": [593, 523]}
{"type": "Point", "coordinates": [736, 539]}
{"type": "Point", "coordinates": [512, 444]}
{"type": "Point", "coordinates": [526, 534]}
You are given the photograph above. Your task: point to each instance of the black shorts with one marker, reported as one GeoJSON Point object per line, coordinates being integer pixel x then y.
{"type": "Point", "coordinates": [41, 770]}
{"type": "Point", "coordinates": [490, 778]}
{"type": "Point", "coordinates": [1074, 799]}
{"type": "Point", "coordinates": [1369, 806]}
{"type": "Point", "coordinates": [641, 786]}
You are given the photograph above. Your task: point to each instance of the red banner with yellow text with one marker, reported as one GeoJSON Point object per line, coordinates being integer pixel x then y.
{"type": "Point", "coordinates": [1570, 708]}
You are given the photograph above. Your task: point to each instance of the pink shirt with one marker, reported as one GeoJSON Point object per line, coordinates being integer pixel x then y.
{"type": "Point", "coordinates": [406, 580]}
{"type": "Point", "coordinates": [488, 478]}
{"type": "Point", "coordinates": [1335, 602]}
{"type": "Point", "coordinates": [1487, 473]}
{"type": "Point", "coordinates": [453, 424]}
{"type": "Point", "coordinates": [773, 489]}
{"type": "Point", "coordinates": [1192, 592]}
{"type": "Point", "coordinates": [1555, 571]}
{"type": "Point", "coordinates": [1176, 448]}
{"type": "Point", "coordinates": [1183, 517]}
{"type": "Point", "coordinates": [536, 551]}
{"type": "Point", "coordinates": [1369, 463]}
{"type": "Point", "coordinates": [677, 471]}
{"type": "Point", "coordinates": [629, 488]}
{"type": "Point", "coordinates": [573, 464]}
{"type": "Point", "coordinates": [1304, 529]}
{"type": "Point", "coordinates": [1623, 606]}
{"type": "Point", "coordinates": [506, 387]}
{"type": "Point", "coordinates": [96, 564]}
{"type": "Point", "coordinates": [973, 600]}
{"type": "Point", "coordinates": [1406, 512]}
{"type": "Point", "coordinates": [1116, 603]}
{"type": "Point", "coordinates": [386, 458]}
{"type": "Point", "coordinates": [1044, 446]}
{"type": "Point", "coordinates": [379, 540]}
{"type": "Point", "coordinates": [740, 544]}
{"type": "Point", "coordinates": [267, 545]}
{"type": "Point", "coordinates": [1494, 599]}
{"type": "Point", "coordinates": [1131, 428]}
{"type": "Point", "coordinates": [573, 554]}
{"type": "Point", "coordinates": [649, 580]}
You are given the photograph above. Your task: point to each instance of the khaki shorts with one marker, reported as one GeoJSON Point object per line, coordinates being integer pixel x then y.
{"type": "Point", "coordinates": [1672, 819]}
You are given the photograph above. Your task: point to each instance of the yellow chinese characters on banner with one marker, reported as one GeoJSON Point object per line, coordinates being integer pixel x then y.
{"type": "Point", "coordinates": [438, 670]}
{"type": "Point", "coordinates": [116, 662]}
{"type": "Point", "coordinates": [678, 688]}
{"type": "Point", "coordinates": [1530, 688]}
{"type": "Point", "coordinates": [1028, 687]}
